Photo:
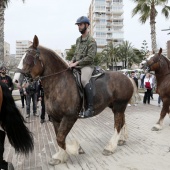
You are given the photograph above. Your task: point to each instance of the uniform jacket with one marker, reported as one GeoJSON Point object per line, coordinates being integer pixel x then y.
{"type": "Point", "coordinates": [8, 81]}
{"type": "Point", "coordinates": [85, 51]}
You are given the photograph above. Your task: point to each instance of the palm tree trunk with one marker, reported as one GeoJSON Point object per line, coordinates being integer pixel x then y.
{"type": "Point", "coordinates": [2, 9]}
{"type": "Point", "coordinates": [153, 29]}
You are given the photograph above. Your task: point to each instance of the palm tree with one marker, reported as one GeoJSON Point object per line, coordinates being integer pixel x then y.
{"type": "Point", "coordinates": [124, 52]}
{"type": "Point", "coordinates": [147, 10]}
{"type": "Point", "coordinates": [128, 55]}
{"type": "Point", "coordinates": [3, 6]}
{"type": "Point", "coordinates": [109, 56]}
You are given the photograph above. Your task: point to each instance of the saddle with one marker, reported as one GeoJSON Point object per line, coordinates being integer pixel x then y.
{"type": "Point", "coordinates": [97, 72]}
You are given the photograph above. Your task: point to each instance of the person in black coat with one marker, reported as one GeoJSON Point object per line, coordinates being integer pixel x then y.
{"type": "Point", "coordinates": [134, 78]}
{"type": "Point", "coordinates": [6, 79]}
{"type": "Point", "coordinates": [41, 99]}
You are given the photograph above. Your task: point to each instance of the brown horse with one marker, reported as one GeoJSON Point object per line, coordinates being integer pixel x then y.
{"type": "Point", "coordinates": [64, 103]}
{"type": "Point", "coordinates": [161, 65]}
{"type": "Point", "coordinates": [12, 124]}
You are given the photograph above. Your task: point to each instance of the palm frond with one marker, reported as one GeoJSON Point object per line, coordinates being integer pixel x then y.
{"type": "Point", "coordinates": [165, 11]}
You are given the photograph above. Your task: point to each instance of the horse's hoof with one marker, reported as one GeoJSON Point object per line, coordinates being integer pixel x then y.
{"type": "Point", "coordinates": [121, 142]}
{"type": "Point", "coordinates": [107, 152]}
{"type": "Point", "coordinates": [54, 162]}
{"type": "Point", "coordinates": [81, 151]}
{"type": "Point", "coordinates": [155, 129]}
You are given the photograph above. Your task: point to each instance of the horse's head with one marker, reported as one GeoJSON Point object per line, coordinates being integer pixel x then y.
{"type": "Point", "coordinates": [32, 64]}
{"type": "Point", "coordinates": [152, 63]}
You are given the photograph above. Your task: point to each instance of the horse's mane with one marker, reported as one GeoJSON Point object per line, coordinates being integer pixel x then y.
{"type": "Point", "coordinates": [167, 60]}
{"type": "Point", "coordinates": [54, 55]}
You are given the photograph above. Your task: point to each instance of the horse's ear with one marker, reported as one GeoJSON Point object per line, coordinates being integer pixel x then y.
{"type": "Point", "coordinates": [35, 42]}
{"type": "Point", "coordinates": [160, 51]}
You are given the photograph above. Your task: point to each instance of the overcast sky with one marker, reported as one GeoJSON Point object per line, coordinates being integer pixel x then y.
{"type": "Point", "coordinates": [53, 22]}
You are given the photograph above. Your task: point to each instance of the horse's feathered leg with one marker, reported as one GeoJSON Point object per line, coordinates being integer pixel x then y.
{"type": "Point", "coordinates": [164, 111]}
{"type": "Point", "coordinates": [62, 131]}
{"type": "Point", "coordinates": [13, 123]}
{"type": "Point", "coordinates": [119, 119]}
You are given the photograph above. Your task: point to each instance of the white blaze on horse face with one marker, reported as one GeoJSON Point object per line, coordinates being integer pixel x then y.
{"type": "Point", "coordinates": [20, 66]}
{"type": "Point", "coordinates": [143, 63]}
{"type": "Point", "coordinates": [152, 55]}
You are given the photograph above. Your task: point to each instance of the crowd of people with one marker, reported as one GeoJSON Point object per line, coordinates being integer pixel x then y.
{"type": "Point", "coordinates": [29, 91]}
{"type": "Point", "coordinates": [147, 83]}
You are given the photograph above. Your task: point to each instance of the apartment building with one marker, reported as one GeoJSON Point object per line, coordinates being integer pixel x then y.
{"type": "Point", "coordinates": [106, 17]}
{"type": "Point", "coordinates": [21, 47]}
{"type": "Point", "coordinates": [6, 51]}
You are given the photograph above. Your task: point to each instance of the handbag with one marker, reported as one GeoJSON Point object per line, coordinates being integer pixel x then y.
{"type": "Point", "coordinates": [148, 85]}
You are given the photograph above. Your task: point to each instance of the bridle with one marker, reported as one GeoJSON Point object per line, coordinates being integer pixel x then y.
{"type": "Point", "coordinates": [32, 60]}
{"type": "Point", "coordinates": [154, 62]}
{"type": "Point", "coordinates": [159, 60]}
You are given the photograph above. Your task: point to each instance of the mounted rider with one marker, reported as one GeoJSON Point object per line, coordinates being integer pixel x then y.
{"type": "Point", "coordinates": [85, 52]}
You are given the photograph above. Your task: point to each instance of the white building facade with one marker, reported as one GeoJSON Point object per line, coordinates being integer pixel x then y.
{"type": "Point", "coordinates": [21, 47]}
{"type": "Point", "coordinates": [6, 51]}
{"type": "Point", "coordinates": [106, 17]}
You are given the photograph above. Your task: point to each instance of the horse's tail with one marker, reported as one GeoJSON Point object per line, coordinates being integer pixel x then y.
{"type": "Point", "coordinates": [136, 96]}
{"type": "Point", "coordinates": [12, 122]}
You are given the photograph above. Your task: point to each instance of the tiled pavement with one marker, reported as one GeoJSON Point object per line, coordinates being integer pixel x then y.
{"type": "Point", "coordinates": [144, 149]}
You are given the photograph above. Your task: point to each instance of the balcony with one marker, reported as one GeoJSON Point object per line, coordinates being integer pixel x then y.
{"type": "Point", "coordinates": [117, 11]}
{"type": "Point", "coordinates": [117, 24]}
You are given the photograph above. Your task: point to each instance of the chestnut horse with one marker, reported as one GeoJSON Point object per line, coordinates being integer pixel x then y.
{"type": "Point", "coordinates": [161, 65]}
{"type": "Point", "coordinates": [12, 124]}
{"type": "Point", "coordinates": [62, 99]}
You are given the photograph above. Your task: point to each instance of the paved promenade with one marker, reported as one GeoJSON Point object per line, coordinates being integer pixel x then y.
{"type": "Point", "coordinates": [144, 149]}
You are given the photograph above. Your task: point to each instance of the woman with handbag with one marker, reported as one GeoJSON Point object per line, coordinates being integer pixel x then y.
{"type": "Point", "coordinates": [148, 84]}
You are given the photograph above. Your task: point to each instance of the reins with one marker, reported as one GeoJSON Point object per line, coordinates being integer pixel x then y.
{"type": "Point", "coordinates": [42, 77]}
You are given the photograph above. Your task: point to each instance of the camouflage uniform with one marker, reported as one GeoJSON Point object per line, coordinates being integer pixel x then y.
{"type": "Point", "coordinates": [85, 52]}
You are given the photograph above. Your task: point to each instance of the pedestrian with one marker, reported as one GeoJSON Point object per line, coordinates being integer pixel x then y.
{"type": "Point", "coordinates": [85, 51]}
{"type": "Point", "coordinates": [41, 99]}
{"type": "Point", "coordinates": [30, 90]}
{"type": "Point", "coordinates": [159, 101]}
{"type": "Point", "coordinates": [142, 80]}
{"type": "Point", "coordinates": [148, 88]}
{"type": "Point", "coordinates": [21, 91]}
{"type": "Point", "coordinates": [134, 78]}
{"type": "Point", "coordinates": [6, 79]}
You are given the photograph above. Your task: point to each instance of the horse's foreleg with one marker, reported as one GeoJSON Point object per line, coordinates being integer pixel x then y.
{"type": "Point", "coordinates": [119, 123]}
{"type": "Point", "coordinates": [62, 131]}
{"type": "Point", "coordinates": [165, 109]}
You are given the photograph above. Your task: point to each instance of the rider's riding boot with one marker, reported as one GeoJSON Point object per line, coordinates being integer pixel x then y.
{"type": "Point", "coordinates": [89, 96]}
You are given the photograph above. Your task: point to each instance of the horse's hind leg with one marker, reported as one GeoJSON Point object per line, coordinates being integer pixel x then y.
{"type": "Point", "coordinates": [123, 136]}
{"type": "Point", "coordinates": [62, 131]}
{"type": "Point", "coordinates": [119, 119]}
